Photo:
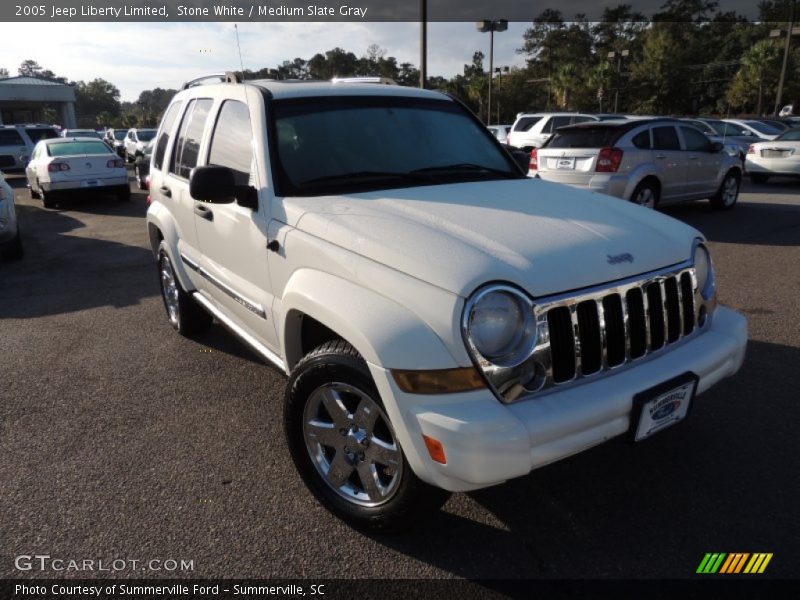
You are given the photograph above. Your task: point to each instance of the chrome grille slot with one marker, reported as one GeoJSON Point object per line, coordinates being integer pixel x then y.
{"type": "Point", "coordinates": [603, 328]}
{"type": "Point", "coordinates": [672, 304]}
{"type": "Point", "coordinates": [615, 330]}
{"type": "Point", "coordinates": [562, 344]}
{"type": "Point", "coordinates": [655, 315]}
{"type": "Point", "coordinates": [589, 333]}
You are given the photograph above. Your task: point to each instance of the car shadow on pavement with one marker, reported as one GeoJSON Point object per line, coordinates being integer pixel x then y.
{"type": "Point", "coordinates": [724, 478]}
{"type": "Point", "coordinates": [64, 271]}
{"type": "Point", "coordinates": [748, 223]}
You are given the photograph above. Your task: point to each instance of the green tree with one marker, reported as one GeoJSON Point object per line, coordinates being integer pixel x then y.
{"type": "Point", "coordinates": [3, 73]}
{"type": "Point", "coordinates": [29, 68]}
{"type": "Point", "coordinates": [93, 98]}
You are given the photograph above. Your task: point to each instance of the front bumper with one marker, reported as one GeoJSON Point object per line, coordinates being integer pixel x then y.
{"type": "Point", "coordinates": [77, 185]}
{"type": "Point", "coordinates": [487, 442]}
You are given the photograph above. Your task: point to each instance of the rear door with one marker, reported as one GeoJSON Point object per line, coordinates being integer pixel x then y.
{"type": "Point", "coordinates": [702, 165]}
{"type": "Point", "coordinates": [671, 163]}
{"type": "Point", "coordinates": [173, 189]}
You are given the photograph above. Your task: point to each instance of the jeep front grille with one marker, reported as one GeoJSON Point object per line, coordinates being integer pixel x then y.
{"type": "Point", "coordinates": [603, 329]}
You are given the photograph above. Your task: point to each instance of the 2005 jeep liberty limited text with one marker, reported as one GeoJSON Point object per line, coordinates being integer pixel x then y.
{"type": "Point", "coordinates": [445, 322]}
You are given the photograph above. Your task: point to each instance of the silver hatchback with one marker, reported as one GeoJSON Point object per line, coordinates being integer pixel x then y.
{"type": "Point", "coordinates": [650, 162]}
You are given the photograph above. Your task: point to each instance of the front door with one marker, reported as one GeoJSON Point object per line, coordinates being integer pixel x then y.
{"type": "Point", "coordinates": [233, 238]}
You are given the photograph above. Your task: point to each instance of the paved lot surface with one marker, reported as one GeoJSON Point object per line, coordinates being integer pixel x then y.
{"type": "Point", "coordinates": [120, 439]}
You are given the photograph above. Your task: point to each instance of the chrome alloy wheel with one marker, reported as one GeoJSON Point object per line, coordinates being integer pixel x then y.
{"type": "Point", "coordinates": [352, 444]}
{"type": "Point", "coordinates": [169, 289]}
{"type": "Point", "coordinates": [730, 190]}
{"type": "Point", "coordinates": [645, 197]}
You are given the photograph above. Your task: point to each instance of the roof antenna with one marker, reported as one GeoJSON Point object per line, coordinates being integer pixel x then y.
{"type": "Point", "coordinates": [239, 46]}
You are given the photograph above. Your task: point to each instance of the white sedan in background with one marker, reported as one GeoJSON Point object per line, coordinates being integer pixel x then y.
{"type": "Point", "coordinates": [10, 237]}
{"type": "Point", "coordinates": [780, 156]}
{"type": "Point", "coordinates": [64, 166]}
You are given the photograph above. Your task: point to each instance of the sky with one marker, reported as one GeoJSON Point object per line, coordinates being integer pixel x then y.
{"type": "Point", "coordinates": [140, 56]}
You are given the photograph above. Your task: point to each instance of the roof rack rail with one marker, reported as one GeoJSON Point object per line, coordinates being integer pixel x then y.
{"type": "Point", "coordinates": [381, 80]}
{"type": "Point", "coordinates": [226, 77]}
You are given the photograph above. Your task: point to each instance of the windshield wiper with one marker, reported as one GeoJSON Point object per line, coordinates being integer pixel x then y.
{"type": "Point", "coordinates": [468, 167]}
{"type": "Point", "coordinates": [365, 175]}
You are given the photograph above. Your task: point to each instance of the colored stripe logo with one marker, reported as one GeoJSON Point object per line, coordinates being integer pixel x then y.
{"type": "Point", "coordinates": [734, 563]}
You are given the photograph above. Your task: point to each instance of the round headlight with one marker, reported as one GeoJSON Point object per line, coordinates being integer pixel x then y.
{"type": "Point", "coordinates": [704, 271]}
{"type": "Point", "coordinates": [501, 324]}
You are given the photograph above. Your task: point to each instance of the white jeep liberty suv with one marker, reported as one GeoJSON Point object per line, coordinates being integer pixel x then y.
{"type": "Point", "coordinates": [446, 323]}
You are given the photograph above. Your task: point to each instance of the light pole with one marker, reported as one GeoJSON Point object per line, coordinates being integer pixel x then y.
{"type": "Point", "coordinates": [491, 26]}
{"type": "Point", "coordinates": [500, 71]}
{"type": "Point", "coordinates": [423, 43]}
{"type": "Point", "coordinates": [790, 31]}
{"type": "Point", "coordinates": [618, 56]}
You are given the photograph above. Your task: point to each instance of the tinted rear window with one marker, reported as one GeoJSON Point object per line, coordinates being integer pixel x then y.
{"type": "Point", "coordinates": [41, 133]}
{"type": "Point", "coordinates": [584, 138]}
{"type": "Point", "coordinates": [73, 148]}
{"type": "Point", "coordinates": [10, 137]}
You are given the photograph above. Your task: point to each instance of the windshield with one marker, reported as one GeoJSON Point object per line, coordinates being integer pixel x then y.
{"type": "Point", "coordinates": [762, 127]}
{"type": "Point", "coordinates": [145, 135]}
{"type": "Point", "coordinates": [355, 144]}
{"type": "Point", "coordinates": [119, 135]}
{"type": "Point", "coordinates": [793, 135]}
{"type": "Point", "coordinates": [73, 148]}
{"type": "Point", "coordinates": [81, 133]}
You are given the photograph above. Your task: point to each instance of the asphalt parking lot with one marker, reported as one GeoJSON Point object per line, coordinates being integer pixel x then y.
{"type": "Point", "coordinates": [121, 439]}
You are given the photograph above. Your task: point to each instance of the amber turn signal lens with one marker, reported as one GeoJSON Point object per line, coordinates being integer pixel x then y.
{"type": "Point", "coordinates": [435, 449]}
{"type": "Point", "coordinates": [443, 381]}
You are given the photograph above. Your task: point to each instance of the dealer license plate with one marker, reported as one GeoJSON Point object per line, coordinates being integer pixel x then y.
{"type": "Point", "coordinates": [662, 406]}
{"type": "Point", "coordinates": [565, 163]}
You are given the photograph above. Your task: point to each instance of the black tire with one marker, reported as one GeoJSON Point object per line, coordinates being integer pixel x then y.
{"type": "Point", "coordinates": [728, 193]}
{"type": "Point", "coordinates": [15, 251]}
{"type": "Point", "coordinates": [34, 194]}
{"type": "Point", "coordinates": [48, 201]}
{"type": "Point", "coordinates": [123, 193]}
{"type": "Point", "coordinates": [188, 318]}
{"type": "Point", "coordinates": [411, 498]}
{"type": "Point", "coordinates": [641, 191]}
{"type": "Point", "coordinates": [759, 177]}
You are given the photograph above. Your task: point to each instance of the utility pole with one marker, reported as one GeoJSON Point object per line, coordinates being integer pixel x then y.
{"type": "Point", "coordinates": [789, 32]}
{"type": "Point", "coordinates": [491, 27]}
{"type": "Point", "coordinates": [618, 56]}
{"type": "Point", "coordinates": [423, 43]}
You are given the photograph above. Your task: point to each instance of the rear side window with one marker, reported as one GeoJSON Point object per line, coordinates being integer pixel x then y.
{"type": "Point", "coordinates": [581, 119]}
{"type": "Point", "coordinates": [187, 146]}
{"type": "Point", "coordinates": [665, 138]}
{"type": "Point", "coordinates": [642, 140]}
{"type": "Point", "coordinates": [695, 141]}
{"type": "Point", "coordinates": [525, 123]}
{"type": "Point", "coordinates": [599, 137]}
{"type": "Point", "coordinates": [10, 137]}
{"type": "Point", "coordinates": [554, 123]}
{"type": "Point", "coordinates": [163, 139]}
{"type": "Point", "coordinates": [231, 144]}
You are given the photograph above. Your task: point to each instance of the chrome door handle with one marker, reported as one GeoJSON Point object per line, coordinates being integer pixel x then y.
{"type": "Point", "coordinates": [203, 212]}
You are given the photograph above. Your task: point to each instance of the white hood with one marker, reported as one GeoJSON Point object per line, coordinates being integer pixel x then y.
{"type": "Point", "coordinates": [543, 237]}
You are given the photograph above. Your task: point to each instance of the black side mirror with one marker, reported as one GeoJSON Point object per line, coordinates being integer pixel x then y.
{"type": "Point", "coordinates": [522, 158]}
{"type": "Point", "coordinates": [218, 186]}
{"type": "Point", "coordinates": [717, 147]}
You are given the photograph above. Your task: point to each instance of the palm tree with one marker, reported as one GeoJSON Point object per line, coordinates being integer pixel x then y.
{"type": "Point", "coordinates": [565, 81]}
{"type": "Point", "coordinates": [756, 63]}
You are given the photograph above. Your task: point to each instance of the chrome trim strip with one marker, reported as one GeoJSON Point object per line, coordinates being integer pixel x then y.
{"type": "Point", "coordinates": [601, 321]}
{"type": "Point", "coordinates": [627, 325]}
{"type": "Point", "coordinates": [248, 339]}
{"type": "Point", "coordinates": [679, 287]}
{"type": "Point", "coordinates": [662, 289]}
{"type": "Point", "coordinates": [250, 305]}
{"type": "Point", "coordinates": [576, 336]}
